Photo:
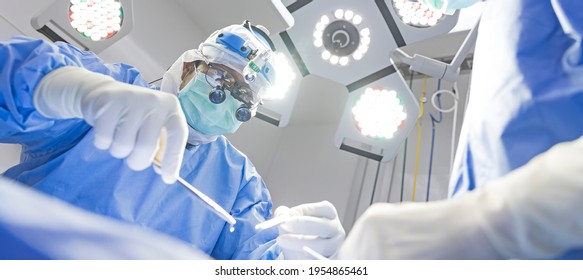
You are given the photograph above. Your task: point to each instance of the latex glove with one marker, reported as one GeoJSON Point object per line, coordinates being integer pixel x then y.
{"type": "Point", "coordinates": [315, 225]}
{"type": "Point", "coordinates": [531, 213]}
{"type": "Point", "coordinates": [128, 120]}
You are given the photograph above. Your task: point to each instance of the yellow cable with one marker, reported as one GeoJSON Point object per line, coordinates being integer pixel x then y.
{"type": "Point", "coordinates": [421, 109]}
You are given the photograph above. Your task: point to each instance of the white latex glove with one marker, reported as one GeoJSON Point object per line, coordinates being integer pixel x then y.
{"type": "Point", "coordinates": [315, 225]}
{"type": "Point", "coordinates": [531, 213]}
{"type": "Point", "coordinates": [128, 120]}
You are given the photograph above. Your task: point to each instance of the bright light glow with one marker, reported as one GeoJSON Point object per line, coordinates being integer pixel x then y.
{"type": "Point", "coordinates": [362, 49]}
{"type": "Point", "coordinates": [318, 42]}
{"type": "Point", "coordinates": [379, 113]}
{"type": "Point", "coordinates": [318, 34]}
{"type": "Point", "coordinates": [365, 32]}
{"type": "Point", "coordinates": [416, 13]}
{"type": "Point", "coordinates": [343, 60]}
{"type": "Point", "coordinates": [334, 59]}
{"type": "Point", "coordinates": [96, 19]}
{"type": "Point", "coordinates": [283, 80]}
{"type": "Point", "coordinates": [365, 41]}
{"type": "Point", "coordinates": [348, 15]}
{"type": "Point", "coordinates": [357, 19]}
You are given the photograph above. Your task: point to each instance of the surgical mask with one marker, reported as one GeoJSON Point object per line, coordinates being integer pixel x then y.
{"type": "Point", "coordinates": [203, 115]}
{"type": "Point", "coordinates": [449, 6]}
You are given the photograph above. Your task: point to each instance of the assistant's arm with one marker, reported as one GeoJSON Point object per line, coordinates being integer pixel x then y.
{"type": "Point", "coordinates": [571, 18]}
{"type": "Point", "coordinates": [531, 213]}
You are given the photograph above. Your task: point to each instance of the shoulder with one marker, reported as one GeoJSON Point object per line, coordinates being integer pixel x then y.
{"type": "Point", "coordinates": [232, 156]}
{"type": "Point", "coordinates": [223, 143]}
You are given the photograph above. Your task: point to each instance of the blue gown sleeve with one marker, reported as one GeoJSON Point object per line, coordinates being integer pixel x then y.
{"type": "Point", "coordinates": [24, 62]}
{"type": "Point", "coordinates": [571, 18]}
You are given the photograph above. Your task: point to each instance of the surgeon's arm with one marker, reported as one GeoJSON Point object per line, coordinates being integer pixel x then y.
{"type": "Point", "coordinates": [53, 90]}
{"type": "Point", "coordinates": [531, 213]}
{"type": "Point", "coordinates": [128, 120]}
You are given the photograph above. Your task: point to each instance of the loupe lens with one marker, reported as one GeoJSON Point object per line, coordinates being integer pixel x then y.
{"type": "Point", "coordinates": [243, 114]}
{"type": "Point", "coordinates": [217, 96]}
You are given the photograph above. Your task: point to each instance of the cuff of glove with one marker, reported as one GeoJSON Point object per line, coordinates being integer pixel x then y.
{"type": "Point", "coordinates": [60, 92]}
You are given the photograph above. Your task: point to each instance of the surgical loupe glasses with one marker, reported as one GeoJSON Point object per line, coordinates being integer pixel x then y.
{"type": "Point", "coordinates": [223, 81]}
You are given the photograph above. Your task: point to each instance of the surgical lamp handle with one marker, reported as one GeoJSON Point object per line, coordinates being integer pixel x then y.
{"type": "Point", "coordinates": [436, 68]}
{"type": "Point", "coordinates": [453, 68]}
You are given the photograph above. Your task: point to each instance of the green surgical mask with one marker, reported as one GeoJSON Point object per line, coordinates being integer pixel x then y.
{"type": "Point", "coordinates": [203, 115]}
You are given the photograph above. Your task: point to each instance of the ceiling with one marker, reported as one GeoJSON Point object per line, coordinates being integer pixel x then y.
{"type": "Point", "coordinates": [320, 99]}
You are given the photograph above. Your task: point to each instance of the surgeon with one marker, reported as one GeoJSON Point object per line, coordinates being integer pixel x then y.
{"type": "Point", "coordinates": [526, 97]}
{"type": "Point", "coordinates": [90, 131]}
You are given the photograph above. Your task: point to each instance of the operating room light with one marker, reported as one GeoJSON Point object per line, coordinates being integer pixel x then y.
{"type": "Point", "coordinates": [379, 113]}
{"type": "Point", "coordinates": [96, 19]}
{"type": "Point", "coordinates": [341, 37]}
{"type": "Point", "coordinates": [417, 14]}
{"type": "Point", "coordinates": [283, 80]}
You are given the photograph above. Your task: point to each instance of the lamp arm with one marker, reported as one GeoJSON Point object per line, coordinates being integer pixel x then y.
{"type": "Point", "coordinates": [436, 68]}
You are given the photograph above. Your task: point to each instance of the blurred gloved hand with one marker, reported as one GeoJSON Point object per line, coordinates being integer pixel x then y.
{"type": "Point", "coordinates": [128, 120]}
{"type": "Point", "coordinates": [315, 225]}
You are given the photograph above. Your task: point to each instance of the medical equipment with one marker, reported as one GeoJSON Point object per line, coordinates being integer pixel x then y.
{"type": "Point", "coordinates": [438, 69]}
{"type": "Point", "coordinates": [241, 50]}
{"type": "Point", "coordinates": [273, 222]}
{"type": "Point", "coordinates": [314, 253]}
{"type": "Point", "coordinates": [217, 209]}
{"type": "Point", "coordinates": [221, 79]}
{"type": "Point", "coordinates": [83, 25]}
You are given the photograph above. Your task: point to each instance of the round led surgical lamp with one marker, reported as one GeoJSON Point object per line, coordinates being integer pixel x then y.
{"type": "Point", "coordinates": [96, 20]}
{"type": "Point", "coordinates": [417, 14]}
{"type": "Point", "coordinates": [379, 113]}
{"type": "Point", "coordinates": [341, 37]}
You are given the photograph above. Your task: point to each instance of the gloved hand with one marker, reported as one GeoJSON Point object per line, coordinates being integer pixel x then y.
{"type": "Point", "coordinates": [128, 120]}
{"type": "Point", "coordinates": [315, 225]}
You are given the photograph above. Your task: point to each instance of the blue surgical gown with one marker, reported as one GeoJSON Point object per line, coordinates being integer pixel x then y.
{"type": "Point", "coordinates": [48, 228]}
{"type": "Point", "coordinates": [59, 159]}
{"type": "Point", "coordinates": [527, 88]}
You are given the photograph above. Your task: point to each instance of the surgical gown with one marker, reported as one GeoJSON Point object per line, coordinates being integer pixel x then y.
{"type": "Point", "coordinates": [59, 159]}
{"type": "Point", "coordinates": [527, 89]}
{"type": "Point", "coordinates": [51, 229]}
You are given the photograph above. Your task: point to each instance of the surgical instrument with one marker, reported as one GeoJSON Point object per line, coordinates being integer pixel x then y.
{"type": "Point", "coordinates": [273, 222]}
{"type": "Point", "coordinates": [220, 211]}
